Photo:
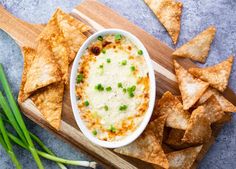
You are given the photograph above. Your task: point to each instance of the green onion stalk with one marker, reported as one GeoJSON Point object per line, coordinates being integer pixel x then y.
{"type": "Point", "coordinates": [4, 140]}
{"type": "Point", "coordinates": [13, 117]}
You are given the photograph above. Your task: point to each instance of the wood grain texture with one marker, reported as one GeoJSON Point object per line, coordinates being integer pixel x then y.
{"type": "Point", "coordinates": [99, 17]}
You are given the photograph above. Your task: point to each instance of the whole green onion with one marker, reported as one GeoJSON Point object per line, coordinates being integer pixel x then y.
{"type": "Point", "coordinates": [18, 117]}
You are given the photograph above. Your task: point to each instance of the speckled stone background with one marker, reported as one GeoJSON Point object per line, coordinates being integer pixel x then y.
{"type": "Point", "coordinates": [197, 15]}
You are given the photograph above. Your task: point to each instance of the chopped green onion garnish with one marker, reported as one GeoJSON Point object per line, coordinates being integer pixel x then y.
{"type": "Point", "coordinates": [131, 91]}
{"type": "Point", "coordinates": [103, 51]}
{"type": "Point", "coordinates": [80, 78]}
{"type": "Point", "coordinates": [140, 52]}
{"type": "Point", "coordinates": [118, 37]}
{"type": "Point", "coordinates": [119, 85]}
{"type": "Point", "coordinates": [100, 66]}
{"type": "Point", "coordinates": [86, 103]}
{"type": "Point", "coordinates": [131, 94]}
{"type": "Point", "coordinates": [112, 129]}
{"type": "Point", "coordinates": [123, 107]}
{"type": "Point", "coordinates": [132, 68]}
{"type": "Point", "coordinates": [124, 62]}
{"type": "Point", "coordinates": [106, 107]}
{"type": "Point", "coordinates": [95, 132]}
{"type": "Point", "coordinates": [100, 38]}
{"type": "Point", "coordinates": [108, 88]}
{"type": "Point", "coordinates": [124, 90]}
{"type": "Point", "coordinates": [99, 87]}
{"type": "Point", "coordinates": [108, 60]}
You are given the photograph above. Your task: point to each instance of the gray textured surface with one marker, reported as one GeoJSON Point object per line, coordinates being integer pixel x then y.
{"type": "Point", "coordinates": [197, 15]}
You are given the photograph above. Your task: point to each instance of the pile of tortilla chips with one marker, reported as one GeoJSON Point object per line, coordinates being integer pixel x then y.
{"type": "Point", "coordinates": [46, 68]}
{"type": "Point", "coordinates": [182, 126]}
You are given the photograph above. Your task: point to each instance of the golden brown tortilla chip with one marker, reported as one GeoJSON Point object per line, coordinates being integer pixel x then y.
{"type": "Point", "coordinates": [225, 104]}
{"type": "Point", "coordinates": [29, 55]}
{"type": "Point", "coordinates": [72, 30]}
{"type": "Point", "coordinates": [183, 159]}
{"type": "Point", "coordinates": [157, 126]}
{"type": "Point", "coordinates": [217, 75]}
{"type": "Point", "coordinates": [191, 89]}
{"type": "Point", "coordinates": [199, 128]}
{"type": "Point", "coordinates": [59, 46]}
{"type": "Point", "coordinates": [197, 49]}
{"type": "Point", "coordinates": [213, 110]}
{"type": "Point", "coordinates": [49, 102]}
{"type": "Point", "coordinates": [175, 139]}
{"type": "Point", "coordinates": [43, 71]}
{"type": "Point", "coordinates": [146, 148]}
{"type": "Point", "coordinates": [170, 105]}
{"type": "Point", "coordinates": [169, 13]}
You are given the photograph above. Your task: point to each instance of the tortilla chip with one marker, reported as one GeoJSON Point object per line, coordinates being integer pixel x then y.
{"type": "Point", "coordinates": [166, 148]}
{"type": "Point", "coordinates": [191, 89]}
{"type": "Point", "coordinates": [29, 55]}
{"type": "Point", "coordinates": [217, 75]}
{"type": "Point", "coordinates": [49, 102]}
{"type": "Point", "coordinates": [225, 104]}
{"type": "Point", "coordinates": [60, 48]}
{"type": "Point", "coordinates": [157, 126]}
{"type": "Point", "coordinates": [175, 139]}
{"type": "Point", "coordinates": [146, 148]}
{"type": "Point", "coordinates": [169, 13]}
{"type": "Point", "coordinates": [199, 128]}
{"type": "Point", "coordinates": [43, 71]}
{"type": "Point", "coordinates": [183, 159]}
{"type": "Point", "coordinates": [197, 49]}
{"type": "Point", "coordinates": [213, 110]}
{"type": "Point", "coordinates": [170, 105]}
{"type": "Point", "coordinates": [72, 30]}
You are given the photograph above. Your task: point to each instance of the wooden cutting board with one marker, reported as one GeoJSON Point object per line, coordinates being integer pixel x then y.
{"type": "Point", "coordinates": [99, 16]}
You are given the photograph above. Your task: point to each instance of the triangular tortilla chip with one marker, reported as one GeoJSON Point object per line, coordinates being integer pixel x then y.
{"type": "Point", "coordinates": [197, 49]}
{"type": "Point", "coordinates": [169, 13]}
{"type": "Point", "coordinates": [225, 104]}
{"type": "Point", "coordinates": [191, 89]}
{"type": "Point", "coordinates": [157, 126]}
{"type": "Point", "coordinates": [170, 105]}
{"type": "Point", "coordinates": [199, 128]}
{"type": "Point", "coordinates": [213, 110]}
{"type": "Point", "coordinates": [217, 75]}
{"type": "Point", "coordinates": [49, 102]}
{"type": "Point", "coordinates": [60, 48]}
{"type": "Point", "coordinates": [43, 71]}
{"type": "Point", "coordinates": [183, 159]}
{"type": "Point", "coordinates": [146, 148]}
{"type": "Point", "coordinates": [72, 30]}
{"type": "Point", "coordinates": [29, 55]}
{"type": "Point", "coordinates": [175, 139]}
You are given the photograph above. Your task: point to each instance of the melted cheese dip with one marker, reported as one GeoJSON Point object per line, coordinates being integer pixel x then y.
{"type": "Point", "coordinates": [112, 87]}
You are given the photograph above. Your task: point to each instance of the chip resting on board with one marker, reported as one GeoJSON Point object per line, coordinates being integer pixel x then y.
{"type": "Point", "coordinates": [213, 110]}
{"type": "Point", "coordinates": [146, 148]}
{"type": "Point", "coordinates": [217, 76]}
{"type": "Point", "coordinates": [28, 55]}
{"type": "Point", "coordinates": [43, 71]}
{"type": "Point", "coordinates": [226, 105]}
{"type": "Point", "coordinates": [49, 102]}
{"type": "Point", "coordinates": [191, 89]}
{"type": "Point", "coordinates": [183, 159]}
{"type": "Point", "coordinates": [170, 105]}
{"type": "Point", "coordinates": [197, 49]}
{"type": "Point", "coordinates": [169, 14]}
{"type": "Point", "coordinates": [157, 126]}
{"type": "Point", "coordinates": [199, 128]}
{"type": "Point", "coordinates": [72, 30]}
